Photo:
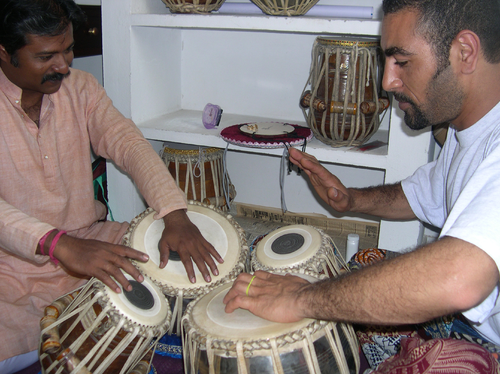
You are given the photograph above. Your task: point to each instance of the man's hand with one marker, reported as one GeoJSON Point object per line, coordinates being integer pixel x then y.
{"type": "Point", "coordinates": [329, 187]}
{"type": "Point", "coordinates": [102, 260]}
{"type": "Point", "coordinates": [182, 236]}
{"type": "Point", "coordinates": [272, 297]}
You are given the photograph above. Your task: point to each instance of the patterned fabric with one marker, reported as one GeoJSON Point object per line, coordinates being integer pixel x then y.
{"type": "Point", "coordinates": [169, 346]}
{"type": "Point", "coordinates": [380, 342]}
{"type": "Point", "coordinates": [234, 135]}
{"type": "Point", "coordinates": [366, 257]}
{"type": "Point", "coordinates": [447, 356]}
{"type": "Point", "coordinates": [446, 344]}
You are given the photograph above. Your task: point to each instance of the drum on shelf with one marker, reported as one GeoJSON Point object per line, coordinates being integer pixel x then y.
{"type": "Point", "coordinates": [285, 7]}
{"type": "Point", "coordinates": [218, 228]}
{"type": "Point", "coordinates": [341, 101]}
{"type": "Point", "coordinates": [297, 247]}
{"type": "Point", "coordinates": [95, 330]}
{"type": "Point", "coordinates": [240, 342]}
{"type": "Point", "coordinates": [193, 6]}
{"type": "Point", "coordinates": [200, 173]}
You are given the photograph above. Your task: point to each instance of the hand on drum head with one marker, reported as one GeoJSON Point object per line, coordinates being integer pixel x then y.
{"type": "Point", "coordinates": [102, 260]}
{"type": "Point", "coordinates": [329, 187]}
{"type": "Point", "coordinates": [272, 297]}
{"type": "Point", "coordinates": [182, 236]}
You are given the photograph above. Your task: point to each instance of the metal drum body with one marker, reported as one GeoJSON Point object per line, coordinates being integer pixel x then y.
{"type": "Point", "coordinates": [342, 104]}
{"type": "Point", "coordinates": [95, 330]}
{"type": "Point", "coordinates": [295, 248]}
{"type": "Point", "coordinates": [240, 342]}
{"type": "Point", "coordinates": [218, 228]}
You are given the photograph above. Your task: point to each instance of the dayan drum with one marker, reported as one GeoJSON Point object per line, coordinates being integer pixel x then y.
{"type": "Point", "coordinates": [201, 174]}
{"type": "Point", "coordinates": [297, 247]}
{"type": "Point", "coordinates": [219, 229]}
{"type": "Point", "coordinates": [240, 342]}
{"type": "Point", "coordinates": [95, 330]}
{"type": "Point", "coordinates": [342, 103]}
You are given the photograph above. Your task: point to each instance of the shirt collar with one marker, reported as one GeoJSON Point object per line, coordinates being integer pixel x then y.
{"type": "Point", "coordinates": [12, 91]}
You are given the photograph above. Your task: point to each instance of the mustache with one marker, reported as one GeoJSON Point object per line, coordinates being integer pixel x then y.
{"type": "Point", "coordinates": [403, 98]}
{"type": "Point", "coordinates": [54, 77]}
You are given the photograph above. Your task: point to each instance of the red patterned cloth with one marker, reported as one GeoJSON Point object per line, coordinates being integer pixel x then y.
{"type": "Point", "coordinates": [233, 134]}
{"type": "Point", "coordinates": [439, 356]}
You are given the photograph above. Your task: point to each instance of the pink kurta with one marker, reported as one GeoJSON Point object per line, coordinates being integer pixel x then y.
{"type": "Point", "coordinates": [46, 182]}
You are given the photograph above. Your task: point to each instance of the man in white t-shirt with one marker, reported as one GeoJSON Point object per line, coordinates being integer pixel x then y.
{"type": "Point", "coordinates": [442, 64]}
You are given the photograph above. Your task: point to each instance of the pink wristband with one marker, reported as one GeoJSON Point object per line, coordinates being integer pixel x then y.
{"type": "Point", "coordinates": [53, 246]}
{"type": "Point", "coordinates": [43, 239]}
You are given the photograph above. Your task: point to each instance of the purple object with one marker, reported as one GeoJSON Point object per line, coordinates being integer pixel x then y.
{"type": "Point", "coordinates": [211, 116]}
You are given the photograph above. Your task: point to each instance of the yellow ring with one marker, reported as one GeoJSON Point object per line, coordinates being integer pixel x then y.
{"type": "Point", "coordinates": [250, 283]}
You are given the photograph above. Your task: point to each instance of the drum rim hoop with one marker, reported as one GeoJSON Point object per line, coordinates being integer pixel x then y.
{"type": "Point", "coordinates": [210, 150]}
{"type": "Point", "coordinates": [200, 335]}
{"type": "Point", "coordinates": [347, 43]}
{"type": "Point", "coordinates": [306, 264]}
{"type": "Point", "coordinates": [116, 314]}
{"type": "Point", "coordinates": [193, 292]}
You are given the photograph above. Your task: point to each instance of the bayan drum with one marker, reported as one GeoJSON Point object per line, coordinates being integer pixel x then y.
{"type": "Point", "coordinates": [285, 7]}
{"type": "Point", "coordinates": [297, 247]}
{"type": "Point", "coordinates": [219, 229]}
{"type": "Point", "coordinates": [200, 173]}
{"type": "Point", "coordinates": [193, 6]}
{"type": "Point", "coordinates": [343, 98]}
{"type": "Point", "coordinates": [95, 330]}
{"type": "Point", "coordinates": [240, 342]}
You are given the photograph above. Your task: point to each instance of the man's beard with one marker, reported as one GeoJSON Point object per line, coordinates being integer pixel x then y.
{"type": "Point", "coordinates": [415, 118]}
{"type": "Point", "coordinates": [444, 100]}
{"type": "Point", "coordinates": [54, 77]}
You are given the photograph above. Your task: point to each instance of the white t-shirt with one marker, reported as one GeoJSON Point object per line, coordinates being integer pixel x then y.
{"type": "Point", "coordinates": [460, 193]}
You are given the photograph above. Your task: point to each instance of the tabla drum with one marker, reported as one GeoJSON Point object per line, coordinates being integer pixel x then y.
{"type": "Point", "coordinates": [285, 7]}
{"type": "Point", "coordinates": [193, 6]}
{"type": "Point", "coordinates": [200, 173]}
{"type": "Point", "coordinates": [297, 247]}
{"type": "Point", "coordinates": [240, 342]}
{"type": "Point", "coordinates": [218, 228]}
{"type": "Point", "coordinates": [95, 330]}
{"type": "Point", "coordinates": [341, 101]}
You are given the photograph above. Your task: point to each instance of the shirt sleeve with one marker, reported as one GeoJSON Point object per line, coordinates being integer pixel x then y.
{"type": "Point", "coordinates": [20, 233]}
{"type": "Point", "coordinates": [425, 190]}
{"type": "Point", "coordinates": [117, 138]}
{"type": "Point", "coordinates": [474, 216]}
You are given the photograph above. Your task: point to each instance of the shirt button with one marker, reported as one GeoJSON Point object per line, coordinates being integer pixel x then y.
{"type": "Point", "coordinates": [46, 156]}
{"type": "Point", "coordinates": [17, 101]}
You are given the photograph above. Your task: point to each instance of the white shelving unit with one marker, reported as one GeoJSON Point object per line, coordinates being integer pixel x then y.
{"type": "Point", "coordinates": [161, 69]}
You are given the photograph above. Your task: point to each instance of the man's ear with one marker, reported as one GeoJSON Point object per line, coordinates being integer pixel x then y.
{"type": "Point", "coordinates": [467, 50]}
{"type": "Point", "coordinates": [4, 55]}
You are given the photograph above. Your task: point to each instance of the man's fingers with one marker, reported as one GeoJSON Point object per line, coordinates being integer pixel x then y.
{"type": "Point", "coordinates": [164, 257]}
{"type": "Point", "coordinates": [111, 281]}
{"type": "Point", "coordinates": [237, 302]}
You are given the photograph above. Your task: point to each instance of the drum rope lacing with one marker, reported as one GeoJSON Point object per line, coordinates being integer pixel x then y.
{"type": "Point", "coordinates": [195, 161]}
{"type": "Point", "coordinates": [328, 253]}
{"type": "Point", "coordinates": [358, 51]}
{"type": "Point", "coordinates": [94, 292]}
{"type": "Point", "coordinates": [193, 292]}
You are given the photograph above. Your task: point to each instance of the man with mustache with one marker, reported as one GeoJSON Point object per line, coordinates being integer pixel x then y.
{"type": "Point", "coordinates": [442, 63]}
{"type": "Point", "coordinates": [53, 233]}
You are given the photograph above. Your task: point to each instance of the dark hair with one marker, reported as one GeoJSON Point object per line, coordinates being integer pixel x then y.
{"type": "Point", "coordinates": [37, 17]}
{"type": "Point", "coordinates": [441, 20]}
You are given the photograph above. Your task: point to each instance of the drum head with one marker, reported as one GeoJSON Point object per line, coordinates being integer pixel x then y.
{"type": "Point", "coordinates": [288, 246]}
{"type": "Point", "coordinates": [210, 319]}
{"type": "Point", "coordinates": [145, 304]}
{"type": "Point", "coordinates": [214, 227]}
